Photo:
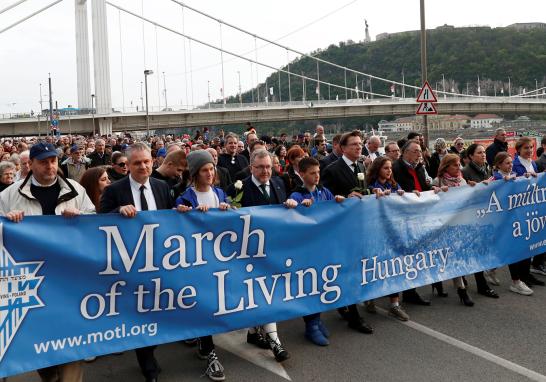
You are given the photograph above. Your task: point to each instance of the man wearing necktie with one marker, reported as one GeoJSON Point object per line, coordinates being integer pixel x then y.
{"type": "Point", "coordinates": [341, 177]}
{"type": "Point", "coordinates": [259, 189]}
{"type": "Point", "coordinates": [134, 193]}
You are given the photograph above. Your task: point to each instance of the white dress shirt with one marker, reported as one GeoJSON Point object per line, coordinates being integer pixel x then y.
{"type": "Point", "coordinates": [258, 184]}
{"type": "Point", "coordinates": [148, 194]}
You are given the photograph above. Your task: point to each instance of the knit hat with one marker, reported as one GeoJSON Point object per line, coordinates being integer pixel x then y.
{"type": "Point", "coordinates": [197, 159]}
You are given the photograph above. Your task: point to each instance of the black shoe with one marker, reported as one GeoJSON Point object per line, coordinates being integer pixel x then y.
{"type": "Point", "coordinates": [344, 313]}
{"type": "Point", "coordinates": [532, 280]}
{"type": "Point", "coordinates": [278, 350]}
{"type": "Point", "coordinates": [257, 339]}
{"type": "Point", "coordinates": [463, 296]}
{"type": "Point", "coordinates": [488, 292]}
{"type": "Point", "coordinates": [413, 297]}
{"type": "Point", "coordinates": [360, 325]}
{"type": "Point", "coordinates": [215, 370]}
{"type": "Point", "coordinates": [439, 289]}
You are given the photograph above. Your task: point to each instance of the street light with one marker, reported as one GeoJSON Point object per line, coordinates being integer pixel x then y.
{"type": "Point", "coordinates": [147, 72]}
{"type": "Point", "coordinates": [69, 122]}
{"type": "Point", "coordinates": [93, 112]}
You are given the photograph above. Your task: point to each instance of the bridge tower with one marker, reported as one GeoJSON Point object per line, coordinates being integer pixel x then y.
{"type": "Point", "coordinates": [82, 56]}
{"type": "Point", "coordinates": [101, 62]}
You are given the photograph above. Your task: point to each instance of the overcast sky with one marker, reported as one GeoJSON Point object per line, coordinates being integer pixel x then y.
{"type": "Point", "coordinates": [46, 42]}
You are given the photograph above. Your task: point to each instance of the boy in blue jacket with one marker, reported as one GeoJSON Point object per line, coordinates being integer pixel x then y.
{"type": "Point", "coordinates": [311, 192]}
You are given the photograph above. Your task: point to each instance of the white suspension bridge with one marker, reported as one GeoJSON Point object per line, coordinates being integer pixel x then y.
{"type": "Point", "coordinates": [95, 112]}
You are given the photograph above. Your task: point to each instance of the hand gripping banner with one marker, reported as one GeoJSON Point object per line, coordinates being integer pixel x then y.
{"type": "Point", "coordinates": [93, 285]}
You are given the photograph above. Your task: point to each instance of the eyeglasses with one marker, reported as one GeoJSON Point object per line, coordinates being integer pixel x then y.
{"type": "Point", "coordinates": [121, 164]}
{"type": "Point", "coordinates": [263, 168]}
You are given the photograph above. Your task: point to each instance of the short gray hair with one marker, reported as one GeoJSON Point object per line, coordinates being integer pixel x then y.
{"type": "Point", "coordinates": [100, 141]}
{"type": "Point", "coordinates": [137, 147]}
{"type": "Point", "coordinates": [15, 159]}
{"type": "Point", "coordinates": [5, 165]}
{"type": "Point", "coordinates": [231, 136]}
{"type": "Point", "coordinates": [259, 154]}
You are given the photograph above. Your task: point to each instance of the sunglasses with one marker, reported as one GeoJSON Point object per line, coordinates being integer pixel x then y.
{"type": "Point", "coordinates": [121, 164]}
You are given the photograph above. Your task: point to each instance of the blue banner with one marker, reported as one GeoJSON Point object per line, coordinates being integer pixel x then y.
{"type": "Point", "coordinates": [93, 285]}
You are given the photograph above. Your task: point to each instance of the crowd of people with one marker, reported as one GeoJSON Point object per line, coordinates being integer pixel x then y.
{"type": "Point", "coordinates": [72, 175]}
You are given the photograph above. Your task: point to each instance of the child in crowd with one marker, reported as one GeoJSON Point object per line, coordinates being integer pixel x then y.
{"type": "Point", "coordinates": [307, 194]}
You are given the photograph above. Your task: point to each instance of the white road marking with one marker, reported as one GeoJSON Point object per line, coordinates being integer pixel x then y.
{"type": "Point", "coordinates": [235, 342]}
{"type": "Point", "coordinates": [532, 375]}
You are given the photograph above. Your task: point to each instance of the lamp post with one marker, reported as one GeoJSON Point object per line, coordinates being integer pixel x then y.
{"type": "Point", "coordinates": [240, 94]}
{"type": "Point", "coordinates": [69, 122]}
{"type": "Point", "coordinates": [424, 74]}
{"type": "Point", "coordinates": [93, 112]}
{"type": "Point", "coordinates": [147, 72]}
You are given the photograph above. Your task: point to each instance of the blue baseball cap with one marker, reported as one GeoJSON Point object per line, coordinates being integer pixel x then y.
{"type": "Point", "coordinates": [42, 150]}
{"type": "Point", "coordinates": [162, 152]}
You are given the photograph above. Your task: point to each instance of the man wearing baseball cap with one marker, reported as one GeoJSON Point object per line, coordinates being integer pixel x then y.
{"type": "Point", "coordinates": [44, 191]}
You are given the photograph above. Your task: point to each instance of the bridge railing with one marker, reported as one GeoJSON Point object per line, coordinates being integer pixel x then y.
{"type": "Point", "coordinates": [273, 104]}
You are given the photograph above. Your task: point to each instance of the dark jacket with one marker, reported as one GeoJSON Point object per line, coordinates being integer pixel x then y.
{"type": "Point", "coordinates": [493, 149]}
{"type": "Point", "coordinates": [253, 196]}
{"type": "Point", "coordinates": [291, 180]}
{"type": "Point", "coordinates": [433, 165]}
{"type": "Point", "coordinates": [541, 162]}
{"type": "Point", "coordinates": [330, 158]}
{"type": "Point", "coordinates": [113, 175]}
{"type": "Point", "coordinates": [119, 194]}
{"type": "Point", "coordinates": [240, 162]}
{"type": "Point", "coordinates": [224, 178]}
{"type": "Point", "coordinates": [96, 160]}
{"type": "Point", "coordinates": [340, 179]}
{"type": "Point", "coordinates": [472, 172]}
{"type": "Point", "coordinates": [406, 181]}
{"type": "Point", "coordinates": [189, 198]}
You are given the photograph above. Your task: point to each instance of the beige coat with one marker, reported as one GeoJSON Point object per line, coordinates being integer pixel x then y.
{"type": "Point", "coordinates": [19, 197]}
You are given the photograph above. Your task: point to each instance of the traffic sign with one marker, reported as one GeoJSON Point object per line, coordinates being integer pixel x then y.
{"type": "Point", "coordinates": [426, 94]}
{"type": "Point", "coordinates": [426, 108]}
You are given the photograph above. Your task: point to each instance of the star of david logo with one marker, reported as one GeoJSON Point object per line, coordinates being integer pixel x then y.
{"type": "Point", "coordinates": [18, 293]}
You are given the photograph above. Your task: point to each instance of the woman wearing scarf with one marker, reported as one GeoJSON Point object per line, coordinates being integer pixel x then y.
{"type": "Point", "coordinates": [449, 175]}
{"type": "Point", "coordinates": [477, 171]}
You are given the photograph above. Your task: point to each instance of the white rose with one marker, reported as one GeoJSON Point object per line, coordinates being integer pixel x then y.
{"type": "Point", "coordinates": [239, 184]}
{"type": "Point", "coordinates": [360, 176]}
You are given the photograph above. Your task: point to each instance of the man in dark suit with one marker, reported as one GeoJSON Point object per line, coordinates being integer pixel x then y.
{"type": "Point", "coordinates": [409, 173]}
{"type": "Point", "coordinates": [260, 189]}
{"type": "Point", "coordinates": [334, 155]}
{"type": "Point", "coordinates": [340, 178]}
{"type": "Point", "coordinates": [231, 160]}
{"type": "Point", "coordinates": [100, 157]}
{"type": "Point", "coordinates": [138, 192]}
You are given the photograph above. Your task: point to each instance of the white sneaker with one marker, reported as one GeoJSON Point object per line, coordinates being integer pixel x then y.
{"type": "Point", "coordinates": [521, 288]}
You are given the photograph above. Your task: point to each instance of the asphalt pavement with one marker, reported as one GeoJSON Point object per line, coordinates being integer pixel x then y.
{"type": "Point", "coordinates": [496, 340]}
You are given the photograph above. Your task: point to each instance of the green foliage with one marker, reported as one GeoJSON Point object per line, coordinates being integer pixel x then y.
{"type": "Point", "coordinates": [460, 54]}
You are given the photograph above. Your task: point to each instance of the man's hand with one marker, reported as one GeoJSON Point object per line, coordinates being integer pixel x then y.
{"type": "Point", "coordinates": [129, 211]}
{"type": "Point", "coordinates": [355, 194]}
{"type": "Point", "coordinates": [400, 192]}
{"type": "Point", "coordinates": [290, 203]}
{"type": "Point", "coordinates": [70, 212]}
{"type": "Point", "coordinates": [307, 202]}
{"type": "Point", "coordinates": [15, 216]}
{"type": "Point", "coordinates": [339, 198]}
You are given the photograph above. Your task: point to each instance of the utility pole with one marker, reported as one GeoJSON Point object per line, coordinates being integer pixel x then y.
{"type": "Point", "coordinates": [240, 94]}
{"type": "Point", "coordinates": [165, 91]}
{"type": "Point", "coordinates": [50, 104]}
{"type": "Point", "coordinates": [424, 73]}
